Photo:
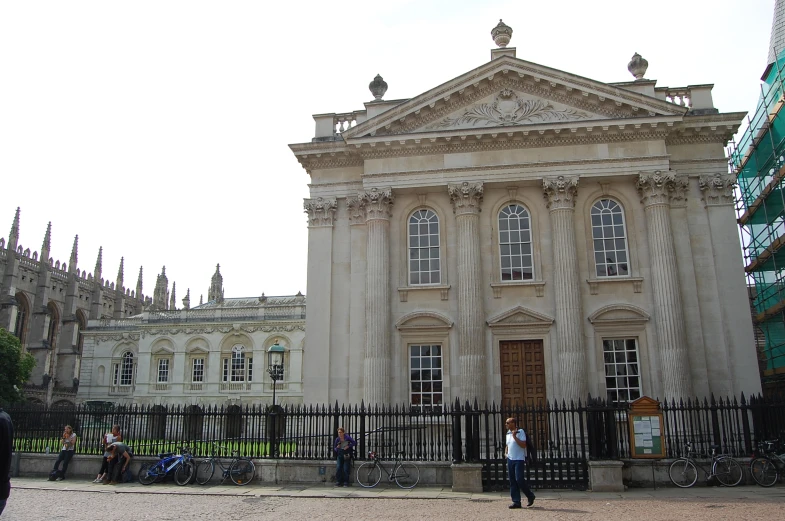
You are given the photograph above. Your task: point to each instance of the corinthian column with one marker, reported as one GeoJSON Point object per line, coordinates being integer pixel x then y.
{"type": "Point", "coordinates": [655, 190]}
{"type": "Point", "coordinates": [466, 199]}
{"type": "Point", "coordinates": [560, 193]}
{"type": "Point", "coordinates": [377, 205]}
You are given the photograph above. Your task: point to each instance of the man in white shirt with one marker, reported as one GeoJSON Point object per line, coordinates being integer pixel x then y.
{"type": "Point", "coordinates": [516, 463]}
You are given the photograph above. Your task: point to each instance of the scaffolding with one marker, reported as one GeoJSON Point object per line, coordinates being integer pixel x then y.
{"type": "Point", "coordinates": [758, 161]}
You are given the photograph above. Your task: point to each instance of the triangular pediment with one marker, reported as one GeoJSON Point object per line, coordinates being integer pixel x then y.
{"type": "Point", "coordinates": [506, 93]}
{"type": "Point", "coordinates": [521, 317]}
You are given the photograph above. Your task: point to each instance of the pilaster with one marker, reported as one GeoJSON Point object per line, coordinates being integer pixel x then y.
{"type": "Point", "coordinates": [377, 205]}
{"type": "Point", "coordinates": [655, 190]}
{"type": "Point", "coordinates": [358, 241]}
{"type": "Point", "coordinates": [560, 194]}
{"type": "Point", "coordinates": [466, 199]}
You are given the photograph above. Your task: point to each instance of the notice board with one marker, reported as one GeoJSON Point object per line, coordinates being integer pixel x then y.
{"type": "Point", "coordinates": [647, 435]}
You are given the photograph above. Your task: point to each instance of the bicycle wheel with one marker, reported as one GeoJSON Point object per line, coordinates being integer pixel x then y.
{"type": "Point", "coordinates": [683, 473]}
{"type": "Point", "coordinates": [728, 471]}
{"type": "Point", "coordinates": [148, 473]}
{"type": "Point", "coordinates": [369, 474]}
{"type": "Point", "coordinates": [407, 475]}
{"type": "Point", "coordinates": [242, 471]}
{"type": "Point", "coordinates": [763, 471]}
{"type": "Point", "coordinates": [204, 471]}
{"type": "Point", "coordinates": [184, 472]}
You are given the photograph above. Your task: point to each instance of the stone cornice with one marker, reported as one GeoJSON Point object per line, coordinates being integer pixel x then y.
{"type": "Point", "coordinates": [321, 211]}
{"type": "Point", "coordinates": [560, 192]}
{"type": "Point", "coordinates": [717, 189]}
{"type": "Point", "coordinates": [465, 197]}
{"type": "Point", "coordinates": [655, 188]}
{"type": "Point", "coordinates": [377, 203]}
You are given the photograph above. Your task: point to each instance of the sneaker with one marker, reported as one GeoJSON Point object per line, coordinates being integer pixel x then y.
{"type": "Point", "coordinates": [97, 480]}
{"type": "Point", "coordinates": [515, 505]}
{"type": "Point", "coordinates": [531, 501]}
{"type": "Point", "coordinates": [59, 478]}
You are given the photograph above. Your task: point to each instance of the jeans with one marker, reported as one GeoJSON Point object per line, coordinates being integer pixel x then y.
{"type": "Point", "coordinates": [116, 469]}
{"type": "Point", "coordinates": [104, 466]}
{"type": "Point", "coordinates": [64, 457]}
{"type": "Point", "coordinates": [342, 469]}
{"type": "Point", "coordinates": [517, 472]}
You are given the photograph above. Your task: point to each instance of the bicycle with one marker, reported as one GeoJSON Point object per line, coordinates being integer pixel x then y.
{"type": "Point", "coordinates": [404, 473]}
{"type": "Point", "coordinates": [767, 465]}
{"type": "Point", "coordinates": [182, 464]}
{"type": "Point", "coordinates": [240, 470]}
{"type": "Point", "coordinates": [684, 474]}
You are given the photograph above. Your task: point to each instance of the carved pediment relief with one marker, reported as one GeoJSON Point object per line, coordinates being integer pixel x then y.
{"type": "Point", "coordinates": [162, 347]}
{"type": "Point", "coordinates": [619, 314]}
{"type": "Point", "coordinates": [521, 317]}
{"type": "Point", "coordinates": [507, 108]}
{"type": "Point", "coordinates": [423, 321]}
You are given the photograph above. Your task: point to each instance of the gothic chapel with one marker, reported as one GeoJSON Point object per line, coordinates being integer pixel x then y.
{"type": "Point", "coordinates": [520, 233]}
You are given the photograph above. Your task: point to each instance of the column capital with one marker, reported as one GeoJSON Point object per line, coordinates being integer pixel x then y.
{"type": "Point", "coordinates": [681, 189]}
{"type": "Point", "coordinates": [655, 188]}
{"type": "Point", "coordinates": [560, 192]}
{"type": "Point", "coordinates": [465, 197]}
{"type": "Point", "coordinates": [717, 189]}
{"type": "Point", "coordinates": [377, 203]}
{"type": "Point", "coordinates": [321, 211]}
{"type": "Point", "coordinates": [356, 210]}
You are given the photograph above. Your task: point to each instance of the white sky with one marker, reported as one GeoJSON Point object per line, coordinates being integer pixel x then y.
{"type": "Point", "coordinates": [159, 129]}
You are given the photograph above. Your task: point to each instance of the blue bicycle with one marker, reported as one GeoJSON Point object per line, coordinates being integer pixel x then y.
{"type": "Point", "coordinates": [182, 465]}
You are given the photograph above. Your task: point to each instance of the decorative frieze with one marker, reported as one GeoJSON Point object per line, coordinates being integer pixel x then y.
{"type": "Point", "coordinates": [465, 197]}
{"type": "Point", "coordinates": [377, 203]}
{"type": "Point", "coordinates": [560, 192]}
{"type": "Point", "coordinates": [717, 189]}
{"type": "Point", "coordinates": [321, 211]}
{"type": "Point", "coordinates": [656, 187]}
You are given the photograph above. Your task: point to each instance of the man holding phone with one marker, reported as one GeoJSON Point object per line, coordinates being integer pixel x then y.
{"type": "Point", "coordinates": [516, 464]}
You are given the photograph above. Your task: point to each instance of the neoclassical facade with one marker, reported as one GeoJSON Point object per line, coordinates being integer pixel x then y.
{"type": "Point", "coordinates": [213, 354]}
{"type": "Point", "coordinates": [520, 233]}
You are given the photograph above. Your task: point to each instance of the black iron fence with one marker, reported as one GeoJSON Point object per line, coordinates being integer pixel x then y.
{"type": "Point", "coordinates": [566, 435]}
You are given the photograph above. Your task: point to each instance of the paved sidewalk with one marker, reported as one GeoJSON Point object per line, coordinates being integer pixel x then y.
{"type": "Point", "coordinates": [259, 489]}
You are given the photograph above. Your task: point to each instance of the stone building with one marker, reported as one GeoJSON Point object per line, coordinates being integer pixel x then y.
{"type": "Point", "coordinates": [520, 233]}
{"type": "Point", "coordinates": [47, 305]}
{"type": "Point", "coordinates": [212, 354]}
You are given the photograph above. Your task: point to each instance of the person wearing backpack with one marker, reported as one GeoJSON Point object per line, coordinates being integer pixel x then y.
{"type": "Point", "coordinates": [516, 464]}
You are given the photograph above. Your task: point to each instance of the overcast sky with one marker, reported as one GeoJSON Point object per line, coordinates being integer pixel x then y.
{"type": "Point", "coordinates": [159, 129]}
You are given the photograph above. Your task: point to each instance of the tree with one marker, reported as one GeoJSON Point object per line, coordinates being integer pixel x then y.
{"type": "Point", "coordinates": [15, 368]}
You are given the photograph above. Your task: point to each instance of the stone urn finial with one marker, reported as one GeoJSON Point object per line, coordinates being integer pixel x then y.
{"type": "Point", "coordinates": [501, 34]}
{"type": "Point", "coordinates": [378, 87]}
{"type": "Point", "coordinates": [637, 66]}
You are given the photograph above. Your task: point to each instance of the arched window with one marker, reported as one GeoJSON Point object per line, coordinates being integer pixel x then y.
{"type": "Point", "coordinates": [22, 314]}
{"type": "Point", "coordinates": [424, 258]}
{"type": "Point", "coordinates": [515, 243]}
{"type": "Point", "coordinates": [54, 325]}
{"type": "Point", "coordinates": [81, 322]}
{"type": "Point", "coordinates": [610, 239]}
{"type": "Point", "coordinates": [124, 371]}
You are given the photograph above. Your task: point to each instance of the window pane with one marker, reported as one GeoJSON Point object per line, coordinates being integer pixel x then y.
{"type": "Point", "coordinates": [424, 247]}
{"type": "Point", "coordinates": [621, 368]}
{"type": "Point", "coordinates": [425, 383]}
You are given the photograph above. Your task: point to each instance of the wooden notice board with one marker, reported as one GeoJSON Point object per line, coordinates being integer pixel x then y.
{"type": "Point", "coordinates": [647, 435]}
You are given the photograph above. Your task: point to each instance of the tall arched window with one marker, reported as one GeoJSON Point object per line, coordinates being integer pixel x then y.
{"type": "Point", "coordinates": [515, 243]}
{"type": "Point", "coordinates": [610, 239]}
{"type": "Point", "coordinates": [22, 314]}
{"type": "Point", "coordinates": [424, 257]}
{"type": "Point", "coordinates": [81, 322]}
{"type": "Point", "coordinates": [54, 325]}
{"type": "Point", "coordinates": [124, 371]}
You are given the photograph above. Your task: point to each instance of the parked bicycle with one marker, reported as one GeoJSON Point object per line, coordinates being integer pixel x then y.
{"type": "Point", "coordinates": [726, 470]}
{"type": "Point", "coordinates": [767, 465]}
{"type": "Point", "coordinates": [181, 465]}
{"type": "Point", "coordinates": [240, 470]}
{"type": "Point", "coordinates": [404, 473]}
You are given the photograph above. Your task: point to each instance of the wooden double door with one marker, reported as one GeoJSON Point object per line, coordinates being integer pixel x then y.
{"type": "Point", "coordinates": [522, 373]}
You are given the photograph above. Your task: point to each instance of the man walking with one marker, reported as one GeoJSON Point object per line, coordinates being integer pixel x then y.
{"type": "Point", "coordinates": [516, 464]}
{"type": "Point", "coordinates": [6, 447]}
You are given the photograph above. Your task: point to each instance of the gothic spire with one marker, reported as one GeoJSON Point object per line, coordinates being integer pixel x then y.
{"type": "Point", "coordinates": [119, 282]}
{"type": "Point", "coordinates": [201, 299]}
{"type": "Point", "coordinates": [98, 264]}
{"type": "Point", "coordinates": [46, 246]}
{"type": "Point", "coordinates": [777, 39]}
{"type": "Point", "coordinates": [74, 255]}
{"type": "Point", "coordinates": [160, 291]}
{"type": "Point", "coordinates": [216, 292]}
{"type": "Point", "coordinates": [173, 299]}
{"type": "Point", "coordinates": [13, 237]}
{"type": "Point", "coordinates": [139, 285]}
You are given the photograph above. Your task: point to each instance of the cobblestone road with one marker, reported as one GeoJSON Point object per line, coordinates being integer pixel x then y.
{"type": "Point", "coordinates": [98, 504]}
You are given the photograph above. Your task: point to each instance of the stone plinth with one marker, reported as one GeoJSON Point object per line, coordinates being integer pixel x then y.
{"type": "Point", "coordinates": [466, 477]}
{"type": "Point", "coordinates": [606, 476]}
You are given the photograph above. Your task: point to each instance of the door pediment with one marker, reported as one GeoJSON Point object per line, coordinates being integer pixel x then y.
{"type": "Point", "coordinates": [521, 318]}
{"type": "Point", "coordinates": [508, 92]}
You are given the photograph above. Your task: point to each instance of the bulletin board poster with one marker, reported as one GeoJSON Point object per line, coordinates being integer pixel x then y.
{"type": "Point", "coordinates": [646, 436]}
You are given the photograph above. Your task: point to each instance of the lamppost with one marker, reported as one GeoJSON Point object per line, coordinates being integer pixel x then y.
{"type": "Point", "coordinates": [275, 356]}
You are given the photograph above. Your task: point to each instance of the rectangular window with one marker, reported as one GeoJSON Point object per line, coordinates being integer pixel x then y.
{"type": "Point", "coordinates": [425, 380]}
{"type": "Point", "coordinates": [116, 378]}
{"type": "Point", "coordinates": [238, 367]}
{"type": "Point", "coordinates": [250, 368]}
{"type": "Point", "coordinates": [163, 370]}
{"type": "Point", "coordinates": [622, 375]}
{"type": "Point", "coordinates": [197, 373]}
{"type": "Point", "coordinates": [226, 370]}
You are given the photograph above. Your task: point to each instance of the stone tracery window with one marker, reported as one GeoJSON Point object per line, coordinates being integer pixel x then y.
{"type": "Point", "coordinates": [609, 235]}
{"type": "Point", "coordinates": [424, 248]}
{"type": "Point", "coordinates": [515, 243]}
{"type": "Point", "coordinates": [22, 314]}
{"type": "Point", "coordinates": [124, 370]}
{"type": "Point", "coordinates": [237, 367]}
